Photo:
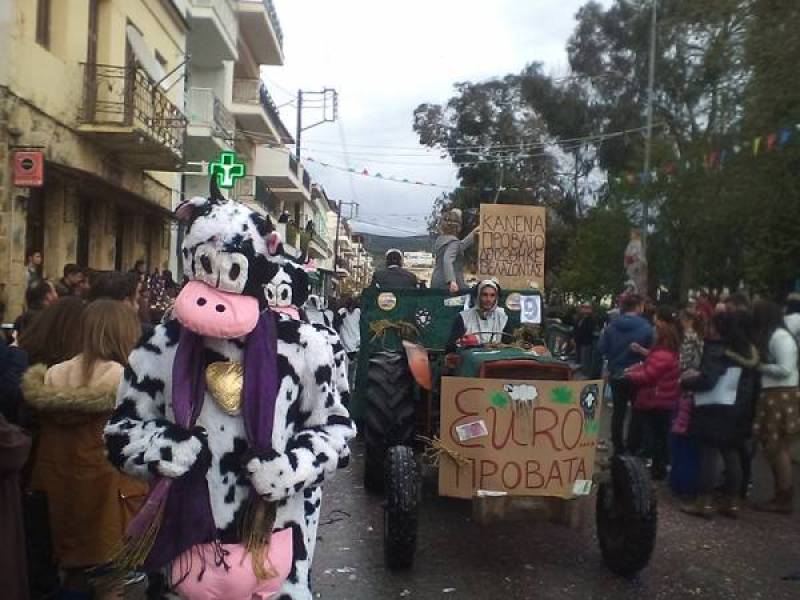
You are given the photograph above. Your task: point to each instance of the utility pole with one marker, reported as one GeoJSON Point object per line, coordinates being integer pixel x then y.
{"type": "Point", "coordinates": [649, 133]}
{"type": "Point", "coordinates": [330, 112]}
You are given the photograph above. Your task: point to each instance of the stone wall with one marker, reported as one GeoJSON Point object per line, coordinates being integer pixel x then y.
{"type": "Point", "coordinates": [68, 154]}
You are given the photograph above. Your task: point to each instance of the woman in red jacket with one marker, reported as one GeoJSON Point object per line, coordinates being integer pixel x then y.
{"type": "Point", "coordinates": [658, 390]}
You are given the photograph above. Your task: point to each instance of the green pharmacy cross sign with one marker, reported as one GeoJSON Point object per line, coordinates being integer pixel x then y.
{"type": "Point", "coordinates": [227, 169]}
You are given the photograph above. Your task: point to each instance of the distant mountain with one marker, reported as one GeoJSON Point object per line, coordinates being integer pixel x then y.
{"type": "Point", "coordinates": [377, 245]}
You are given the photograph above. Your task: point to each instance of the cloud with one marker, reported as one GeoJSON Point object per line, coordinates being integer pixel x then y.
{"type": "Point", "coordinates": [384, 58]}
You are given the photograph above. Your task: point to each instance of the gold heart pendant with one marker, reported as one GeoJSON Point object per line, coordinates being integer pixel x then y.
{"type": "Point", "coordinates": [225, 381]}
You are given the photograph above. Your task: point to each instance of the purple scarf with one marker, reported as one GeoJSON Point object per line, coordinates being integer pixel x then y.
{"type": "Point", "coordinates": [187, 518]}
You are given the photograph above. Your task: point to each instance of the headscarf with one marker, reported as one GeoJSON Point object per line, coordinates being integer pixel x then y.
{"type": "Point", "coordinates": [489, 325]}
{"type": "Point", "coordinates": [478, 289]}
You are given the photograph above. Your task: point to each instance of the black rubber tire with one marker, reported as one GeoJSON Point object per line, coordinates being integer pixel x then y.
{"type": "Point", "coordinates": [400, 511]}
{"type": "Point", "coordinates": [627, 517]}
{"type": "Point", "coordinates": [389, 418]}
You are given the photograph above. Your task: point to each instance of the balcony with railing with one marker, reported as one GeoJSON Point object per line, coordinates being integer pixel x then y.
{"type": "Point", "coordinates": [125, 112]}
{"type": "Point", "coordinates": [281, 174]}
{"type": "Point", "coordinates": [211, 126]}
{"type": "Point", "coordinates": [256, 111]}
{"type": "Point", "coordinates": [261, 29]}
{"type": "Point", "coordinates": [214, 33]}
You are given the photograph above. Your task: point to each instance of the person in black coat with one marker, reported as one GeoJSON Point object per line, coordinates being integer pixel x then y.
{"type": "Point", "coordinates": [584, 337]}
{"type": "Point", "coordinates": [13, 363]}
{"type": "Point", "coordinates": [394, 275]}
{"type": "Point", "coordinates": [725, 388]}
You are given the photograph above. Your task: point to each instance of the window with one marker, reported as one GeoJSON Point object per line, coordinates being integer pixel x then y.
{"type": "Point", "coordinates": [43, 23]}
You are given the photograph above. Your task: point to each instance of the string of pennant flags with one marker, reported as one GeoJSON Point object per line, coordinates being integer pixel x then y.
{"type": "Point", "coordinates": [712, 161]}
{"type": "Point", "coordinates": [376, 175]}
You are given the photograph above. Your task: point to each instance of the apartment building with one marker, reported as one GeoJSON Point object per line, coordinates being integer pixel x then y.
{"type": "Point", "coordinates": [229, 106]}
{"type": "Point", "coordinates": [94, 87]}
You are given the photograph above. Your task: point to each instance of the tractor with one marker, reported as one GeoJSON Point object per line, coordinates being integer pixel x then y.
{"type": "Point", "coordinates": [403, 375]}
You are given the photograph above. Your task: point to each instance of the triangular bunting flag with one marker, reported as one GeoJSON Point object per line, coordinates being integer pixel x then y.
{"type": "Point", "coordinates": [771, 139]}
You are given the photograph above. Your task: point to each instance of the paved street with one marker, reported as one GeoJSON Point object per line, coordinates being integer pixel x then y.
{"type": "Point", "coordinates": [458, 559]}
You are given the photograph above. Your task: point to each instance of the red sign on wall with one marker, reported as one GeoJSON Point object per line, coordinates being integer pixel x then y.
{"type": "Point", "coordinates": [29, 168]}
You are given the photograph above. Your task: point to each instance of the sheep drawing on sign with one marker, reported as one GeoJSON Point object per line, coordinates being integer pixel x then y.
{"type": "Point", "coordinates": [236, 415]}
{"type": "Point", "coordinates": [522, 395]}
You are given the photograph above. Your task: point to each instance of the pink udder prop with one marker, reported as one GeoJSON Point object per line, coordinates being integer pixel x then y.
{"type": "Point", "coordinates": [208, 581]}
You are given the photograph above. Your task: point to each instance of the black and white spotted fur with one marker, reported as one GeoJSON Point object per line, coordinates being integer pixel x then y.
{"type": "Point", "coordinates": [311, 428]}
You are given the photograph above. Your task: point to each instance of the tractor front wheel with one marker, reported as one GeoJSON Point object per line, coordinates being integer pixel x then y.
{"type": "Point", "coordinates": [389, 418]}
{"type": "Point", "coordinates": [626, 517]}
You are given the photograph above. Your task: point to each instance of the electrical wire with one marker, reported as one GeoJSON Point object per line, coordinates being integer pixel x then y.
{"type": "Point", "coordinates": [508, 147]}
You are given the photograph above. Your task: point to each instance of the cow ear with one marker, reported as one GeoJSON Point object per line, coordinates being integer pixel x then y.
{"type": "Point", "coordinates": [215, 195]}
{"type": "Point", "coordinates": [191, 209]}
{"type": "Point", "coordinates": [185, 212]}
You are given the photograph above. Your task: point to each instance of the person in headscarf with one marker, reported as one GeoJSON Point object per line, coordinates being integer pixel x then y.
{"type": "Point", "coordinates": [488, 322]}
{"type": "Point", "coordinates": [448, 271]}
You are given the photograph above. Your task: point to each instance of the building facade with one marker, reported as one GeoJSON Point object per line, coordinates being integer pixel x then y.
{"type": "Point", "coordinates": [421, 264]}
{"type": "Point", "coordinates": [97, 87]}
{"type": "Point", "coordinates": [129, 101]}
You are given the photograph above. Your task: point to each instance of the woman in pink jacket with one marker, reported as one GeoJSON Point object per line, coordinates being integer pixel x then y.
{"type": "Point", "coordinates": [657, 391]}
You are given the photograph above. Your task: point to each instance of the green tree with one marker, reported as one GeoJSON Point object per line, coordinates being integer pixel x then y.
{"type": "Point", "coordinates": [593, 266]}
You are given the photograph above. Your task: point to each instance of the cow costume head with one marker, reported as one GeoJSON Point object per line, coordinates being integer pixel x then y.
{"type": "Point", "coordinates": [236, 267]}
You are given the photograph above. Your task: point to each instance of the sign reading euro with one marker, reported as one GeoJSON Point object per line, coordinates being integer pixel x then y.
{"type": "Point", "coordinates": [526, 438]}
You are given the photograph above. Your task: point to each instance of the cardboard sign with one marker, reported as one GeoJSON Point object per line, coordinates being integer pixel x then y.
{"type": "Point", "coordinates": [540, 436]}
{"type": "Point", "coordinates": [512, 244]}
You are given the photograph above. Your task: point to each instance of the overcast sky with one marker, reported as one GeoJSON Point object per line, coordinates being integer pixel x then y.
{"type": "Point", "coordinates": [385, 58]}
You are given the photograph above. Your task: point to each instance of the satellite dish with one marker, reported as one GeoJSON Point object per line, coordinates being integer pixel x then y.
{"type": "Point", "coordinates": [144, 55]}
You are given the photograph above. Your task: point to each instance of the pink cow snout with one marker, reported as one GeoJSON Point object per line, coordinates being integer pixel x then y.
{"type": "Point", "coordinates": [210, 312]}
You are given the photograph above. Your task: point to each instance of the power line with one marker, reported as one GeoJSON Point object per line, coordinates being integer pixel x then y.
{"type": "Point", "coordinates": [507, 147]}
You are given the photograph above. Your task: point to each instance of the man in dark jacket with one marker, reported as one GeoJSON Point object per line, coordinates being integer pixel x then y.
{"type": "Point", "coordinates": [616, 346]}
{"type": "Point", "coordinates": [584, 337]}
{"type": "Point", "coordinates": [71, 282]}
{"type": "Point", "coordinates": [394, 275]}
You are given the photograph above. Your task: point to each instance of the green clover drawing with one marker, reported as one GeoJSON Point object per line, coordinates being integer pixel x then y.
{"type": "Point", "coordinates": [561, 395]}
{"type": "Point", "coordinates": [499, 399]}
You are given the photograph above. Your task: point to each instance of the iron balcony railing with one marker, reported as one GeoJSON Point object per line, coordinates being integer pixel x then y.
{"type": "Point", "coordinates": [128, 97]}
{"type": "Point", "coordinates": [306, 180]}
{"type": "Point", "coordinates": [206, 109]}
{"type": "Point", "coordinates": [276, 24]}
{"type": "Point", "coordinates": [269, 105]}
{"type": "Point", "coordinates": [293, 164]}
{"type": "Point", "coordinates": [226, 14]}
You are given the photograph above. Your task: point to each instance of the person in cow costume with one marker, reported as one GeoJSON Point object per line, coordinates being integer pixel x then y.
{"type": "Point", "coordinates": [236, 414]}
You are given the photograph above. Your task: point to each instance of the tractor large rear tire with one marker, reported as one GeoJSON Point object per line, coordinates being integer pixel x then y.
{"type": "Point", "coordinates": [627, 517]}
{"type": "Point", "coordinates": [400, 512]}
{"type": "Point", "coordinates": [389, 417]}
